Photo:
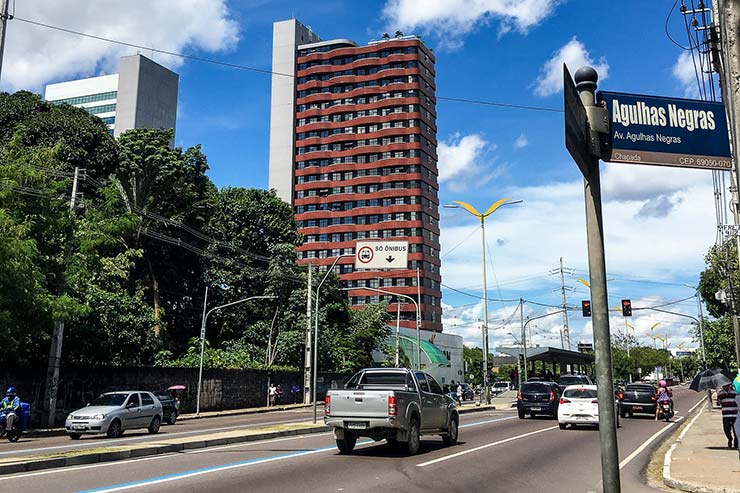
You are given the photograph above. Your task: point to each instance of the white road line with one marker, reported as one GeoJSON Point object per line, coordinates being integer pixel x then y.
{"type": "Point", "coordinates": [701, 401]}
{"type": "Point", "coordinates": [647, 442]}
{"type": "Point", "coordinates": [476, 449]}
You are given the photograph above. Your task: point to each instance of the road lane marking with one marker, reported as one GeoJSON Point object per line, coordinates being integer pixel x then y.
{"type": "Point", "coordinates": [701, 401]}
{"type": "Point", "coordinates": [212, 469]}
{"type": "Point", "coordinates": [477, 423]}
{"type": "Point", "coordinates": [476, 449]}
{"type": "Point", "coordinates": [647, 442]}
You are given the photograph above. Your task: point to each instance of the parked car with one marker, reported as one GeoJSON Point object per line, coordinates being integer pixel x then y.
{"type": "Point", "coordinates": [574, 379]}
{"type": "Point", "coordinates": [500, 387]}
{"type": "Point", "coordinates": [170, 407]}
{"type": "Point", "coordinates": [637, 398]}
{"type": "Point", "coordinates": [578, 405]}
{"type": "Point", "coordinates": [115, 412]}
{"type": "Point", "coordinates": [538, 398]}
{"type": "Point", "coordinates": [395, 404]}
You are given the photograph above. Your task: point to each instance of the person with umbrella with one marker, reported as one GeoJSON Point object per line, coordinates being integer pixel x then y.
{"type": "Point", "coordinates": [726, 399]}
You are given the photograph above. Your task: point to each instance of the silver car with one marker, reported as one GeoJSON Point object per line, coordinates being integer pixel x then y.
{"type": "Point", "coordinates": [114, 412]}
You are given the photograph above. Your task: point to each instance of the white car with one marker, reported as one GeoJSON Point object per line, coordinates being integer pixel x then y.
{"type": "Point", "coordinates": [578, 406]}
{"type": "Point", "coordinates": [114, 412]}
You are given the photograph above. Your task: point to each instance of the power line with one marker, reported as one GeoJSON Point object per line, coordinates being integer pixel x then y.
{"type": "Point", "coordinates": [264, 71]}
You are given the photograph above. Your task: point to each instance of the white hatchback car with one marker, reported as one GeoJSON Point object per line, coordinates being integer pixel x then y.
{"type": "Point", "coordinates": [578, 406]}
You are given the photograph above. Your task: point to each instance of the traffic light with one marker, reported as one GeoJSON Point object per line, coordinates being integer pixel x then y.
{"type": "Point", "coordinates": [586, 308]}
{"type": "Point", "coordinates": [626, 308]}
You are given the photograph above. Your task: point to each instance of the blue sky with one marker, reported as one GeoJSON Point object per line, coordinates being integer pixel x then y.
{"type": "Point", "coordinates": [659, 222]}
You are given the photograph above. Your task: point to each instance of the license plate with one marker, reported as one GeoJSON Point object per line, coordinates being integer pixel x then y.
{"type": "Point", "coordinates": [637, 408]}
{"type": "Point", "coordinates": [535, 409]}
{"type": "Point", "coordinates": [78, 427]}
{"type": "Point", "coordinates": [356, 425]}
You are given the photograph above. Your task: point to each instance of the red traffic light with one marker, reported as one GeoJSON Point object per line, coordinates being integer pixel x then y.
{"type": "Point", "coordinates": [586, 308]}
{"type": "Point", "coordinates": [626, 308]}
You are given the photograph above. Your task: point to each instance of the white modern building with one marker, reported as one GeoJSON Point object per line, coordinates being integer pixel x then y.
{"type": "Point", "coordinates": [143, 94]}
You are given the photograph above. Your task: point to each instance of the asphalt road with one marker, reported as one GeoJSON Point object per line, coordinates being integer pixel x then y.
{"type": "Point", "coordinates": [193, 427]}
{"type": "Point", "coordinates": [498, 452]}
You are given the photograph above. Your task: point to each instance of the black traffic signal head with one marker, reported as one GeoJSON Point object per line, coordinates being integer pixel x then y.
{"type": "Point", "coordinates": [586, 308]}
{"type": "Point", "coordinates": [626, 308]}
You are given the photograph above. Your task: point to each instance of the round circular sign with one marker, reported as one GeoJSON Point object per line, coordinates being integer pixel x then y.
{"type": "Point", "coordinates": [365, 255]}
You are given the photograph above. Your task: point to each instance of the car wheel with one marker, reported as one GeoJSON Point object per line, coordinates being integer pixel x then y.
{"type": "Point", "coordinates": [521, 413]}
{"type": "Point", "coordinates": [347, 444]}
{"type": "Point", "coordinates": [154, 425]}
{"type": "Point", "coordinates": [451, 437]}
{"type": "Point", "coordinates": [562, 426]}
{"type": "Point", "coordinates": [114, 430]}
{"type": "Point", "coordinates": [14, 435]}
{"type": "Point", "coordinates": [412, 446]}
{"type": "Point", "coordinates": [75, 436]}
{"type": "Point", "coordinates": [172, 418]}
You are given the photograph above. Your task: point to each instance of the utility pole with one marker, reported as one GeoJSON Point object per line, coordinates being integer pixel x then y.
{"type": "Point", "coordinates": [484, 328]}
{"type": "Point", "coordinates": [566, 333]}
{"type": "Point", "coordinates": [307, 357]}
{"type": "Point", "coordinates": [4, 16]}
{"type": "Point", "coordinates": [57, 336]}
{"type": "Point", "coordinates": [524, 337]}
{"type": "Point", "coordinates": [728, 12]}
{"type": "Point", "coordinates": [202, 350]}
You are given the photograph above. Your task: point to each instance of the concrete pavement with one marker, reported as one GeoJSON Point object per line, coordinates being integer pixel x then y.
{"type": "Point", "coordinates": [699, 459]}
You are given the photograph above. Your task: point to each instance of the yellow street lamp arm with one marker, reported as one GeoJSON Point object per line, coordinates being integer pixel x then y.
{"type": "Point", "coordinates": [584, 282]}
{"type": "Point", "coordinates": [469, 208]}
{"type": "Point", "coordinates": [495, 206]}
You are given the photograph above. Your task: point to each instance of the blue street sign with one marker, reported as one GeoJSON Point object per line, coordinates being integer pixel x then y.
{"type": "Point", "coordinates": [684, 133]}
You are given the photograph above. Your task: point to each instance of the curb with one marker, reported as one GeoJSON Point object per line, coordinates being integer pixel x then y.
{"type": "Point", "coordinates": [684, 485]}
{"type": "Point", "coordinates": [95, 457]}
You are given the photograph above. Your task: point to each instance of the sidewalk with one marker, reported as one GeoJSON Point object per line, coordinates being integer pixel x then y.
{"type": "Point", "coordinates": [699, 460]}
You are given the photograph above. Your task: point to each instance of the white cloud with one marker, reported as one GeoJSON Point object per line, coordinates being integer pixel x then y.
{"type": "Point", "coordinates": [463, 162]}
{"type": "Point", "coordinates": [35, 55]}
{"type": "Point", "coordinates": [575, 56]}
{"type": "Point", "coordinates": [450, 20]}
{"type": "Point", "coordinates": [684, 71]}
{"type": "Point", "coordinates": [521, 142]}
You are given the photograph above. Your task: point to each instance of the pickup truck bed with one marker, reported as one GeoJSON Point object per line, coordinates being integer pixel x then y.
{"type": "Point", "coordinates": [393, 404]}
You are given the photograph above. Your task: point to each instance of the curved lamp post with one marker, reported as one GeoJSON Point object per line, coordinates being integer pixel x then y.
{"type": "Point", "coordinates": [482, 217]}
{"type": "Point", "coordinates": [203, 338]}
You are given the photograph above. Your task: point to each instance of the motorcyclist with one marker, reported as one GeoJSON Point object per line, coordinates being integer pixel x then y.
{"type": "Point", "coordinates": [664, 395]}
{"type": "Point", "coordinates": [9, 408]}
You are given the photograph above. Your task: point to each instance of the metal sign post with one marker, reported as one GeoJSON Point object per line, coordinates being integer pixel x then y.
{"type": "Point", "coordinates": [585, 143]}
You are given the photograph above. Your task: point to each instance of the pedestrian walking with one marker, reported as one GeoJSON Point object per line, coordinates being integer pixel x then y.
{"type": "Point", "coordinates": [726, 398]}
{"type": "Point", "coordinates": [272, 391]}
{"type": "Point", "coordinates": [279, 399]}
{"type": "Point", "coordinates": [459, 395]}
{"type": "Point", "coordinates": [294, 392]}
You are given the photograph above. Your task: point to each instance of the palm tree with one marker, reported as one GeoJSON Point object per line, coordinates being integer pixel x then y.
{"type": "Point", "coordinates": [399, 34]}
{"type": "Point", "coordinates": [386, 36]}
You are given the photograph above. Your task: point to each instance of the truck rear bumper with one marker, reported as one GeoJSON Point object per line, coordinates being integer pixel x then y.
{"type": "Point", "coordinates": [375, 428]}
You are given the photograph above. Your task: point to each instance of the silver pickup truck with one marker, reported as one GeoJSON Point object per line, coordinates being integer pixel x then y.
{"type": "Point", "coordinates": [393, 404]}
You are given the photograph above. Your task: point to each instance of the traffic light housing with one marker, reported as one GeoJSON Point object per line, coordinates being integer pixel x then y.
{"type": "Point", "coordinates": [586, 308]}
{"type": "Point", "coordinates": [626, 308]}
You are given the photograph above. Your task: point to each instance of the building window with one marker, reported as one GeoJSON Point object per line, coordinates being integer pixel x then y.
{"type": "Point", "coordinates": [90, 98]}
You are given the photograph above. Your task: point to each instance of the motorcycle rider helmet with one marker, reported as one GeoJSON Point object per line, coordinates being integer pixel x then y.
{"type": "Point", "coordinates": [10, 392]}
{"type": "Point", "coordinates": [662, 383]}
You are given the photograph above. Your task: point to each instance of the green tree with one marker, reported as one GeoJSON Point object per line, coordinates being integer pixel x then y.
{"type": "Point", "coordinates": [719, 342]}
{"type": "Point", "coordinates": [473, 358]}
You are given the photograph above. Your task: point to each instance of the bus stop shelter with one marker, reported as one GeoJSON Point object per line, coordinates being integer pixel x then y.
{"type": "Point", "coordinates": [554, 361]}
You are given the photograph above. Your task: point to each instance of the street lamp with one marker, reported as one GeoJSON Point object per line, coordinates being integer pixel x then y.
{"type": "Point", "coordinates": [203, 337]}
{"type": "Point", "coordinates": [482, 217]}
{"type": "Point", "coordinates": [316, 332]}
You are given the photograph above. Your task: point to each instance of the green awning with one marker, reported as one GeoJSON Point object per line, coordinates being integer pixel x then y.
{"type": "Point", "coordinates": [435, 356]}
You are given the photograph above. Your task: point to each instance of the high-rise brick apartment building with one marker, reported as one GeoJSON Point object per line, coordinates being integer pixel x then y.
{"type": "Point", "coordinates": [353, 147]}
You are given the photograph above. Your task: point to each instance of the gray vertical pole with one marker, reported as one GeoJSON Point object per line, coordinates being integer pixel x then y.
{"type": "Point", "coordinates": [3, 28]}
{"type": "Point", "coordinates": [307, 355]}
{"type": "Point", "coordinates": [202, 350]}
{"type": "Point", "coordinates": [57, 336]}
{"type": "Point", "coordinates": [524, 336]}
{"type": "Point", "coordinates": [398, 332]}
{"type": "Point", "coordinates": [566, 332]}
{"type": "Point", "coordinates": [418, 318]}
{"type": "Point", "coordinates": [486, 390]}
{"type": "Point", "coordinates": [586, 78]}
{"type": "Point", "coordinates": [729, 19]}
{"type": "Point", "coordinates": [315, 349]}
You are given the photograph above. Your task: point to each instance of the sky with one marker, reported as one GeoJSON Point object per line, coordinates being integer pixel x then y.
{"type": "Point", "coordinates": [658, 222]}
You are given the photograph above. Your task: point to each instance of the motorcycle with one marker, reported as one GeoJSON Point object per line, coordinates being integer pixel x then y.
{"type": "Point", "coordinates": [665, 411]}
{"type": "Point", "coordinates": [19, 425]}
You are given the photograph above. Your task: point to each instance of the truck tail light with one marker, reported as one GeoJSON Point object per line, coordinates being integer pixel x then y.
{"type": "Point", "coordinates": [392, 408]}
{"type": "Point", "coordinates": [519, 395]}
{"type": "Point", "coordinates": [564, 401]}
{"type": "Point", "coordinates": [552, 395]}
{"type": "Point", "coordinates": [327, 405]}
{"type": "Point", "coordinates": [620, 396]}
{"type": "Point", "coordinates": [594, 401]}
